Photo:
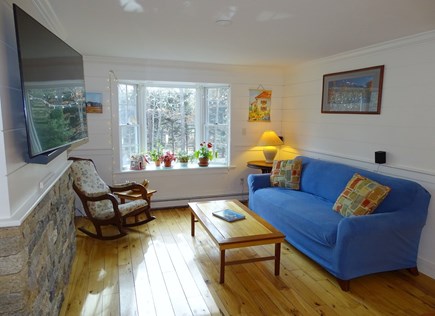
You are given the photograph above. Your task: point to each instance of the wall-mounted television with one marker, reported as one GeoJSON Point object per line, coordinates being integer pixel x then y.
{"type": "Point", "coordinates": [53, 89]}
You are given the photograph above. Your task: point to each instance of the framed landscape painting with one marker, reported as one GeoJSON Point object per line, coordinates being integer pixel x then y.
{"type": "Point", "coordinates": [94, 102]}
{"type": "Point", "coordinates": [355, 91]}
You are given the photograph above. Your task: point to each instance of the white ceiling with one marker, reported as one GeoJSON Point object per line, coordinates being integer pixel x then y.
{"type": "Point", "coordinates": [262, 32]}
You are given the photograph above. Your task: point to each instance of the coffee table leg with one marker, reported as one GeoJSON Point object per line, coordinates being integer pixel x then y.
{"type": "Point", "coordinates": [192, 224]}
{"type": "Point", "coordinates": [277, 257]}
{"type": "Point", "coordinates": [222, 272]}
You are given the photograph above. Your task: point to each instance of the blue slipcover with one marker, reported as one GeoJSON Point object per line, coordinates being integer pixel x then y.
{"type": "Point", "coordinates": [347, 247]}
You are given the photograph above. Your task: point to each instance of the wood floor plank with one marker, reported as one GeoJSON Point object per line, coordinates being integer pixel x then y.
{"type": "Point", "coordinates": [142, 286]}
{"type": "Point", "coordinates": [127, 294]}
{"type": "Point", "coordinates": [180, 305]}
{"type": "Point", "coordinates": [160, 269]}
{"type": "Point", "coordinates": [176, 293]}
{"type": "Point", "coordinates": [192, 287]}
{"type": "Point", "coordinates": [160, 293]}
{"type": "Point", "coordinates": [214, 306]}
{"type": "Point", "coordinates": [94, 299]}
{"type": "Point", "coordinates": [111, 276]}
{"type": "Point", "coordinates": [78, 289]}
{"type": "Point", "coordinates": [277, 290]}
{"type": "Point", "coordinates": [111, 305]}
{"type": "Point", "coordinates": [202, 246]}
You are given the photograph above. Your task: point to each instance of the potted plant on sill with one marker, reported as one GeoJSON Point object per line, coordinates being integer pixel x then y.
{"type": "Point", "coordinates": [155, 156]}
{"type": "Point", "coordinates": [167, 159]}
{"type": "Point", "coordinates": [138, 162]}
{"type": "Point", "coordinates": [205, 153]}
{"type": "Point", "coordinates": [183, 158]}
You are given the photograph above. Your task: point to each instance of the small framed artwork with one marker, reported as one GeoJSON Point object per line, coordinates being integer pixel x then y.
{"type": "Point", "coordinates": [94, 102]}
{"type": "Point", "coordinates": [355, 91]}
{"type": "Point", "coordinates": [260, 102]}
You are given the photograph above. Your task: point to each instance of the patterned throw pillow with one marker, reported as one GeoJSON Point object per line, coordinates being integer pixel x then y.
{"type": "Point", "coordinates": [286, 174]}
{"type": "Point", "coordinates": [360, 197]}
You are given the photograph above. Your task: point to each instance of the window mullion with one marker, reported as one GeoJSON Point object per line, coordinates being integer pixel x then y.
{"type": "Point", "coordinates": [201, 114]}
{"type": "Point", "coordinates": [142, 124]}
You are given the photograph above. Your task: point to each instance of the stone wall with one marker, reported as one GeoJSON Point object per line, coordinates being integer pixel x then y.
{"type": "Point", "coordinates": [36, 257]}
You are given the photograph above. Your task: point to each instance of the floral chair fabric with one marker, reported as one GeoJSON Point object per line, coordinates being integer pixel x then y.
{"type": "Point", "coordinates": [87, 180]}
{"type": "Point", "coordinates": [89, 185]}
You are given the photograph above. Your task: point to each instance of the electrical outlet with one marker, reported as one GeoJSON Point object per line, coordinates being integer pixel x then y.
{"type": "Point", "coordinates": [242, 181]}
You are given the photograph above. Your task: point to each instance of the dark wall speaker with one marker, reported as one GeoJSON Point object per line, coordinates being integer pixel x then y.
{"type": "Point", "coordinates": [380, 157]}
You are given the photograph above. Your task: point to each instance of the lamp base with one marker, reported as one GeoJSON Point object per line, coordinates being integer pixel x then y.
{"type": "Point", "coordinates": [269, 153]}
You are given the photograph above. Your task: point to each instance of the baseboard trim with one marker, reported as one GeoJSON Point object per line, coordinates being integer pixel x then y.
{"type": "Point", "coordinates": [426, 267]}
{"type": "Point", "coordinates": [180, 202]}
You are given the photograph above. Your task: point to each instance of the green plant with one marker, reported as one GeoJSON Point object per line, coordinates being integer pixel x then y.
{"type": "Point", "coordinates": [155, 154]}
{"type": "Point", "coordinates": [183, 157]}
{"type": "Point", "coordinates": [206, 151]}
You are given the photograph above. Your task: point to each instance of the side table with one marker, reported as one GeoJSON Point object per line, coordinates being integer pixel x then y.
{"type": "Point", "coordinates": [265, 167]}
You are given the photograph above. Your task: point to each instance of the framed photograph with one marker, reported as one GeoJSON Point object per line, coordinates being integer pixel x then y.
{"type": "Point", "coordinates": [94, 102]}
{"type": "Point", "coordinates": [355, 91]}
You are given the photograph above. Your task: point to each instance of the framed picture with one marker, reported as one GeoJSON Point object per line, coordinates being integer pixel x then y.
{"type": "Point", "coordinates": [355, 91]}
{"type": "Point", "coordinates": [260, 102]}
{"type": "Point", "coordinates": [94, 102]}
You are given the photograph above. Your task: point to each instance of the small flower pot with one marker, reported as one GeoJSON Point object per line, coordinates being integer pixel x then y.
{"type": "Point", "coordinates": [203, 162]}
{"type": "Point", "coordinates": [168, 164]}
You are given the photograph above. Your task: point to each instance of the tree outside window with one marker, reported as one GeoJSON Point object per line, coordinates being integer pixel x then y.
{"type": "Point", "coordinates": [172, 117]}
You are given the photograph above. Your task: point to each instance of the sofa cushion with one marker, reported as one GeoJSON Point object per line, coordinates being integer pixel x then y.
{"type": "Point", "coordinates": [361, 196]}
{"type": "Point", "coordinates": [286, 174]}
{"type": "Point", "coordinates": [309, 215]}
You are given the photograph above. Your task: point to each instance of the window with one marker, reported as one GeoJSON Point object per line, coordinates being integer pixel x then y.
{"type": "Point", "coordinates": [174, 117]}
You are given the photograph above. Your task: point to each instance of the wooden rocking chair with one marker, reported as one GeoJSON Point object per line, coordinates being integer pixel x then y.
{"type": "Point", "coordinates": [101, 206]}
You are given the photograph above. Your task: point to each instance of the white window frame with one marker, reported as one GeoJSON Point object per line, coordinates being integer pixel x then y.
{"type": "Point", "coordinates": [200, 121]}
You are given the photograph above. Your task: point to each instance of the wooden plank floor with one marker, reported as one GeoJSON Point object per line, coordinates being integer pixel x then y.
{"type": "Point", "coordinates": [159, 269]}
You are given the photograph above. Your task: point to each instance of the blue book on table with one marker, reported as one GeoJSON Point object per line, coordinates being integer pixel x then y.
{"type": "Point", "coordinates": [229, 215]}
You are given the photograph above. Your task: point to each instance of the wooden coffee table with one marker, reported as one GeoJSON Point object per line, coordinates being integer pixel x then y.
{"type": "Point", "coordinates": [251, 231]}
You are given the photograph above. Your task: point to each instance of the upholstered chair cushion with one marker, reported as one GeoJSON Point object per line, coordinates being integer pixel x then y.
{"type": "Point", "coordinates": [89, 182]}
{"type": "Point", "coordinates": [286, 174]}
{"type": "Point", "coordinates": [361, 196]}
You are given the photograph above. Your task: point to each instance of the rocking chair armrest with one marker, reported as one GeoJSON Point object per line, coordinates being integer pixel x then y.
{"type": "Point", "coordinates": [138, 188]}
{"type": "Point", "coordinates": [122, 186]}
{"type": "Point", "coordinates": [128, 186]}
{"type": "Point", "coordinates": [101, 197]}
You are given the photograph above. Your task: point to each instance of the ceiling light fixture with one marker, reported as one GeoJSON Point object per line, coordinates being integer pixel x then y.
{"type": "Point", "coordinates": [223, 22]}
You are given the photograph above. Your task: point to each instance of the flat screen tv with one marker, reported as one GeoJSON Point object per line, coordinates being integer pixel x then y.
{"type": "Point", "coordinates": [53, 89]}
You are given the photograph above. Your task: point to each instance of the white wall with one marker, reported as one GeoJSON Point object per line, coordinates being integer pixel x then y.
{"type": "Point", "coordinates": [21, 185]}
{"type": "Point", "coordinates": [181, 184]}
{"type": "Point", "coordinates": [405, 128]}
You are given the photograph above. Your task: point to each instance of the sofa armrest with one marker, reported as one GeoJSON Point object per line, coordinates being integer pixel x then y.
{"type": "Point", "coordinates": [258, 181]}
{"type": "Point", "coordinates": [377, 242]}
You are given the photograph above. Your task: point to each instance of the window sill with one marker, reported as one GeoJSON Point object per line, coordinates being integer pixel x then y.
{"type": "Point", "coordinates": [191, 167]}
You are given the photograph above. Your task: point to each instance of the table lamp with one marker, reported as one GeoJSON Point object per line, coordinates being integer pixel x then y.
{"type": "Point", "coordinates": [269, 140]}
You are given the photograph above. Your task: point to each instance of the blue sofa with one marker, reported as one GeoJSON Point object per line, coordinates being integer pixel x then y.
{"type": "Point", "coordinates": [347, 247]}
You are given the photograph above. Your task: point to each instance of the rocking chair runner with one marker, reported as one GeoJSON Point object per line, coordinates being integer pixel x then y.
{"type": "Point", "coordinates": [101, 206]}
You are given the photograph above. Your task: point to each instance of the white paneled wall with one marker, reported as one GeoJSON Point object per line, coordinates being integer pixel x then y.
{"type": "Point", "coordinates": [405, 128]}
{"type": "Point", "coordinates": [21, 184]}
{"type": "Point", "coordinates": [179, 186]}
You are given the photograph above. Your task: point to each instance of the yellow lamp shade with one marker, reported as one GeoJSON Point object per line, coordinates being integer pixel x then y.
{"type": "Point", "coordinates": [269, 139]}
